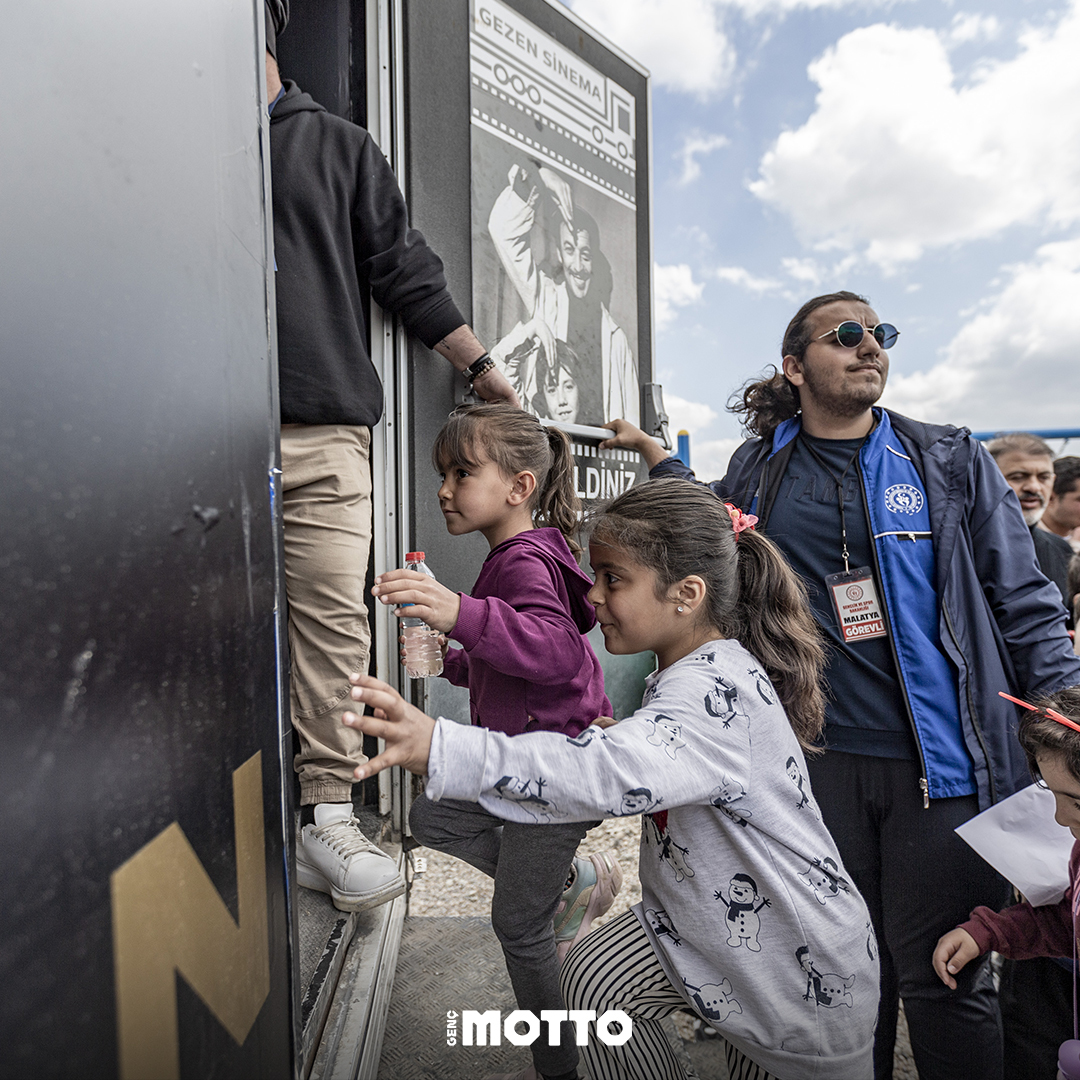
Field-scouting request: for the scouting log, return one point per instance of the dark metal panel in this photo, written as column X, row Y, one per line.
column 137, row 561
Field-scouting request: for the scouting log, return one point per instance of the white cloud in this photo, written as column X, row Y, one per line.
column 684, row 45
column 694, row 236
column 898, row 156
column 967, row 28
column 692, row 146
column 744, row 279
column 1013, row 364
column 814, row 274
column 686, row 415
column 709, row 460
column 805, row 271
column 673, row 287
column 757, row 8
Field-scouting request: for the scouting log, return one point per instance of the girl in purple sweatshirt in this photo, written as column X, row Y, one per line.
column 528, row 667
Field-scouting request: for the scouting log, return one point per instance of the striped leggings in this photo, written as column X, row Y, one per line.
column 616, row 967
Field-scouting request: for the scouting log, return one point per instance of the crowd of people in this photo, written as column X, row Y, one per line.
column 834, row 622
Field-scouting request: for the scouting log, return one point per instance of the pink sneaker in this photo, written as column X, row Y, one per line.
column 597, row 882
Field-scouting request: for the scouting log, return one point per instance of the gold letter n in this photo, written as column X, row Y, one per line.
column 169, row 918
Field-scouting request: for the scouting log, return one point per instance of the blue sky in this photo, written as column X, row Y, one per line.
column 925, row 154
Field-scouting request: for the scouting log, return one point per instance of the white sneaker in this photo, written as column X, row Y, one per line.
column 333, row 856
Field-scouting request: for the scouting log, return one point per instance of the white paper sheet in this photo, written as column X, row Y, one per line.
column 1020, row 839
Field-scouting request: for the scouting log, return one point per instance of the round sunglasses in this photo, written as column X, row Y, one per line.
column 850, row 334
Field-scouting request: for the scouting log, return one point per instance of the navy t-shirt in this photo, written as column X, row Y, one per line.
column 865, row 713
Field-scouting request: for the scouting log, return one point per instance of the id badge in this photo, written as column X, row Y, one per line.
column 855, row 600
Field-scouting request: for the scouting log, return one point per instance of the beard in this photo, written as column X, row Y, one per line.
column 840, row 395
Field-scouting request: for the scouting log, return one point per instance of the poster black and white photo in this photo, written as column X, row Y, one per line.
column 554, row 221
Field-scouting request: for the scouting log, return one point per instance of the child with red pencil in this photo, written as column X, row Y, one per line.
column 1050, row 735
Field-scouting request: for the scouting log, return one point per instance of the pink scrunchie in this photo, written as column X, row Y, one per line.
column 739, row 520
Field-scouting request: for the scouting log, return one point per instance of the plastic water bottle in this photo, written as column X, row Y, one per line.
column 423, row 654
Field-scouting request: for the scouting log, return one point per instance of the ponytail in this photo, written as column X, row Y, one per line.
column 773, row 622
column 557, row 504
column 516, row 442
column 678, row 529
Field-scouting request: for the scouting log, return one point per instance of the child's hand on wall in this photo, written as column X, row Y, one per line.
column 405, row 728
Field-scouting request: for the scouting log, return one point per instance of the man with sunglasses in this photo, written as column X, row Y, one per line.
column 906, row 536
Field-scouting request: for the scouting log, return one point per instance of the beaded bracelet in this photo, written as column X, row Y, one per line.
column 479, row 367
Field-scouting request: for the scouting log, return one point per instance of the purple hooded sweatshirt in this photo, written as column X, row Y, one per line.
column 524, row 659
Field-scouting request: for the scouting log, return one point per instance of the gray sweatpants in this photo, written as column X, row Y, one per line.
column 530, row 864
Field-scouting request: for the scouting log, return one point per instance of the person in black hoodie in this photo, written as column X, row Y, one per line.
column 341, row 231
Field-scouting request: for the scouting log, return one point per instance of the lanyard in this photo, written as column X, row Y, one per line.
column 839, row 481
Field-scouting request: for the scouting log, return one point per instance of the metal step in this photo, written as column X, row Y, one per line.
column 341, row 959
column 352, row 1036
column 446, row 964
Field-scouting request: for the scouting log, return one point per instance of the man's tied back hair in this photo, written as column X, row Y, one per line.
column 1018, row 442
column 766, row 403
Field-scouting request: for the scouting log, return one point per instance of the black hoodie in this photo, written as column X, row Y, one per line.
column 341, row 226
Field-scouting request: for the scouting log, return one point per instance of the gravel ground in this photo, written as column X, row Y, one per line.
column 451, row 887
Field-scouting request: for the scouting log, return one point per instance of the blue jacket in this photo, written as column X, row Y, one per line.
column 1000, row 622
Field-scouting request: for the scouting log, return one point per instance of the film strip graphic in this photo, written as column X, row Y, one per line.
column 588, row 450
column 530, row 91
column 550, row 148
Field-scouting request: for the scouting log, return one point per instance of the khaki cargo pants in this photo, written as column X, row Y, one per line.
column 326, row 505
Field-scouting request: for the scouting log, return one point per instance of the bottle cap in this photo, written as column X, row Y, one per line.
column 414, row 556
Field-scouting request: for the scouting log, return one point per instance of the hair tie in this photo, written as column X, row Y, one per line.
column 739, row 520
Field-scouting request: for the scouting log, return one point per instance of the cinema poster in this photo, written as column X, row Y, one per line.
column 554, row 221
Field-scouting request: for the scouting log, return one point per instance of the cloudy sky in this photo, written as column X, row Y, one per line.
column 924, row 154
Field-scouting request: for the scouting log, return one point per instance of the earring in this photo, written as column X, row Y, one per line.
column 679, row 608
